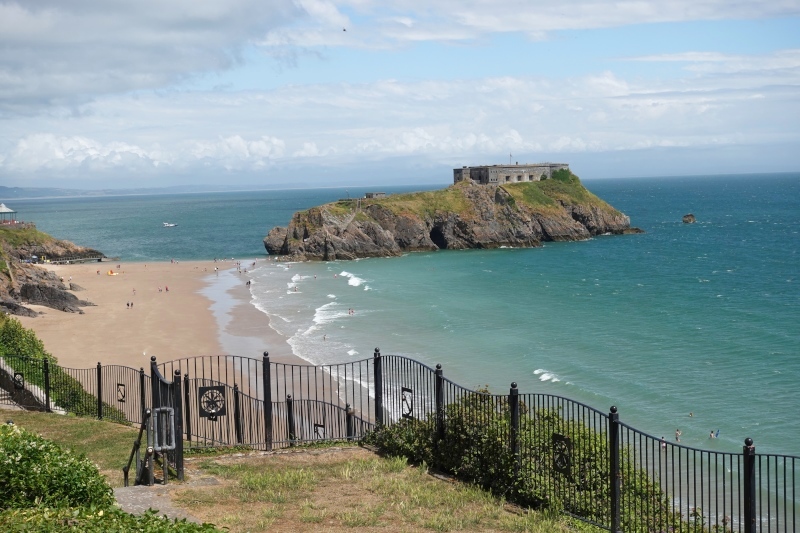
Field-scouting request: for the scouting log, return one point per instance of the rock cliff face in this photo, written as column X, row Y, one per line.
column 459, row 217
column 24, row 283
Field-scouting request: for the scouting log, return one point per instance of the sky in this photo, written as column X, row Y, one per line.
column 275, row 93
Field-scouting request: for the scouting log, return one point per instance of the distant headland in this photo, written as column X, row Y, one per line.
column 486, row 207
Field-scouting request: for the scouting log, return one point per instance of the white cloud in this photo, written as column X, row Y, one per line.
column 716, row 62
column 47, row 151
column 533, row 118
column 88, row 88
column 386, row 23
column 55, row 52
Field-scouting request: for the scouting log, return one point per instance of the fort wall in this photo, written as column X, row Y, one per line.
column 500, row 174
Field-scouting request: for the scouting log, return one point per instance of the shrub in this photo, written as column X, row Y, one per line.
column 15, row 339
column 474, row 446
column 37, row 472
column 91, row 520
column 23, row 351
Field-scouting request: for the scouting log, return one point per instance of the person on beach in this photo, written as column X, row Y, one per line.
column 663, row 443
column 678, row 435
column 711, row 435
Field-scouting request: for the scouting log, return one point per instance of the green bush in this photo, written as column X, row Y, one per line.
column 23, row 351
column 565, row 175
column 15, row 339
column 475, row 447
column 37, row 472
column 46, row 488
column 92, row 520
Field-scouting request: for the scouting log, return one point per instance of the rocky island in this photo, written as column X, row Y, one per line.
column 464, row 215
column 24, row 282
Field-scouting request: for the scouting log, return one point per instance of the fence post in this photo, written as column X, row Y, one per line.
column 99, row 391
column 513, row 405
column 267, row 384
column 237, row 414
column 349, row 422
column 377, row 370
column 290, row 420
column 142, row 399
column 178, row 411
column 749, row 462
column 614, row 469
column 187, row 418
column 46, row 385
column 155, row 389
column 439, row 402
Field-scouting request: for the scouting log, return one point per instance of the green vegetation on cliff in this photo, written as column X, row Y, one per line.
column 546, row 196
column 22, row 350
column 13, row 238
column 425, row 204
column 29, row 236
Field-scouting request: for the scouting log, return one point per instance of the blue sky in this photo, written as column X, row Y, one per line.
column 274, row 93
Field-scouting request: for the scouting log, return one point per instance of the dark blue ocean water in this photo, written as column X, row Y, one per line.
column 699, row 318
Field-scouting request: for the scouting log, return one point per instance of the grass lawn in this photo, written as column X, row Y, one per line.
column 330, row 488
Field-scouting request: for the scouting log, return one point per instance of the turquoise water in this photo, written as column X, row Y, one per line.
column 699, row 318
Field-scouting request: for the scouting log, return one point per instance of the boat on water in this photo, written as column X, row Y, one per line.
column 169, row 225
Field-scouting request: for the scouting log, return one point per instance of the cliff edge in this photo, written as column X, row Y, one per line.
column 24, row 283
column 464, row 215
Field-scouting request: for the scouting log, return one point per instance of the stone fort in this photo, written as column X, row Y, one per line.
column 499, row 174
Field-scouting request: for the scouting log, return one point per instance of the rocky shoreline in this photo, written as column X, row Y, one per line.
column 485, row 216
column 24, row 283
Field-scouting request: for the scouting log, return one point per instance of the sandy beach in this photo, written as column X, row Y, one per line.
column 170, row 310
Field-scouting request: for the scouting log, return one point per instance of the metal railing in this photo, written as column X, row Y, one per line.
column 561, row 452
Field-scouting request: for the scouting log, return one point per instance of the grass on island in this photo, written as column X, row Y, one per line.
column 336, row 488
column 544, row 196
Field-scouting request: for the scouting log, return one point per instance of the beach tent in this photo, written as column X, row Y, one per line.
column 6, row 213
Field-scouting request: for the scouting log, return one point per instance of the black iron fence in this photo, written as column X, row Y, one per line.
column 588, row 462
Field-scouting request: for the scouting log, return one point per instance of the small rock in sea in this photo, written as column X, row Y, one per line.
column 689, row 219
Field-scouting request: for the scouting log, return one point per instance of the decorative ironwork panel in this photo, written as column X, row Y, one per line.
column 121, row 392
column 319, row 431
column 19, row 381
column 407, row 402
column 212, row 401
column 562, row 454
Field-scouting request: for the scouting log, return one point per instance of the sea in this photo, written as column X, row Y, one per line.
column 686, row 326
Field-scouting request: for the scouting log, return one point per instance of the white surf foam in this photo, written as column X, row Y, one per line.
column 352, row 280
column 546, row 375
